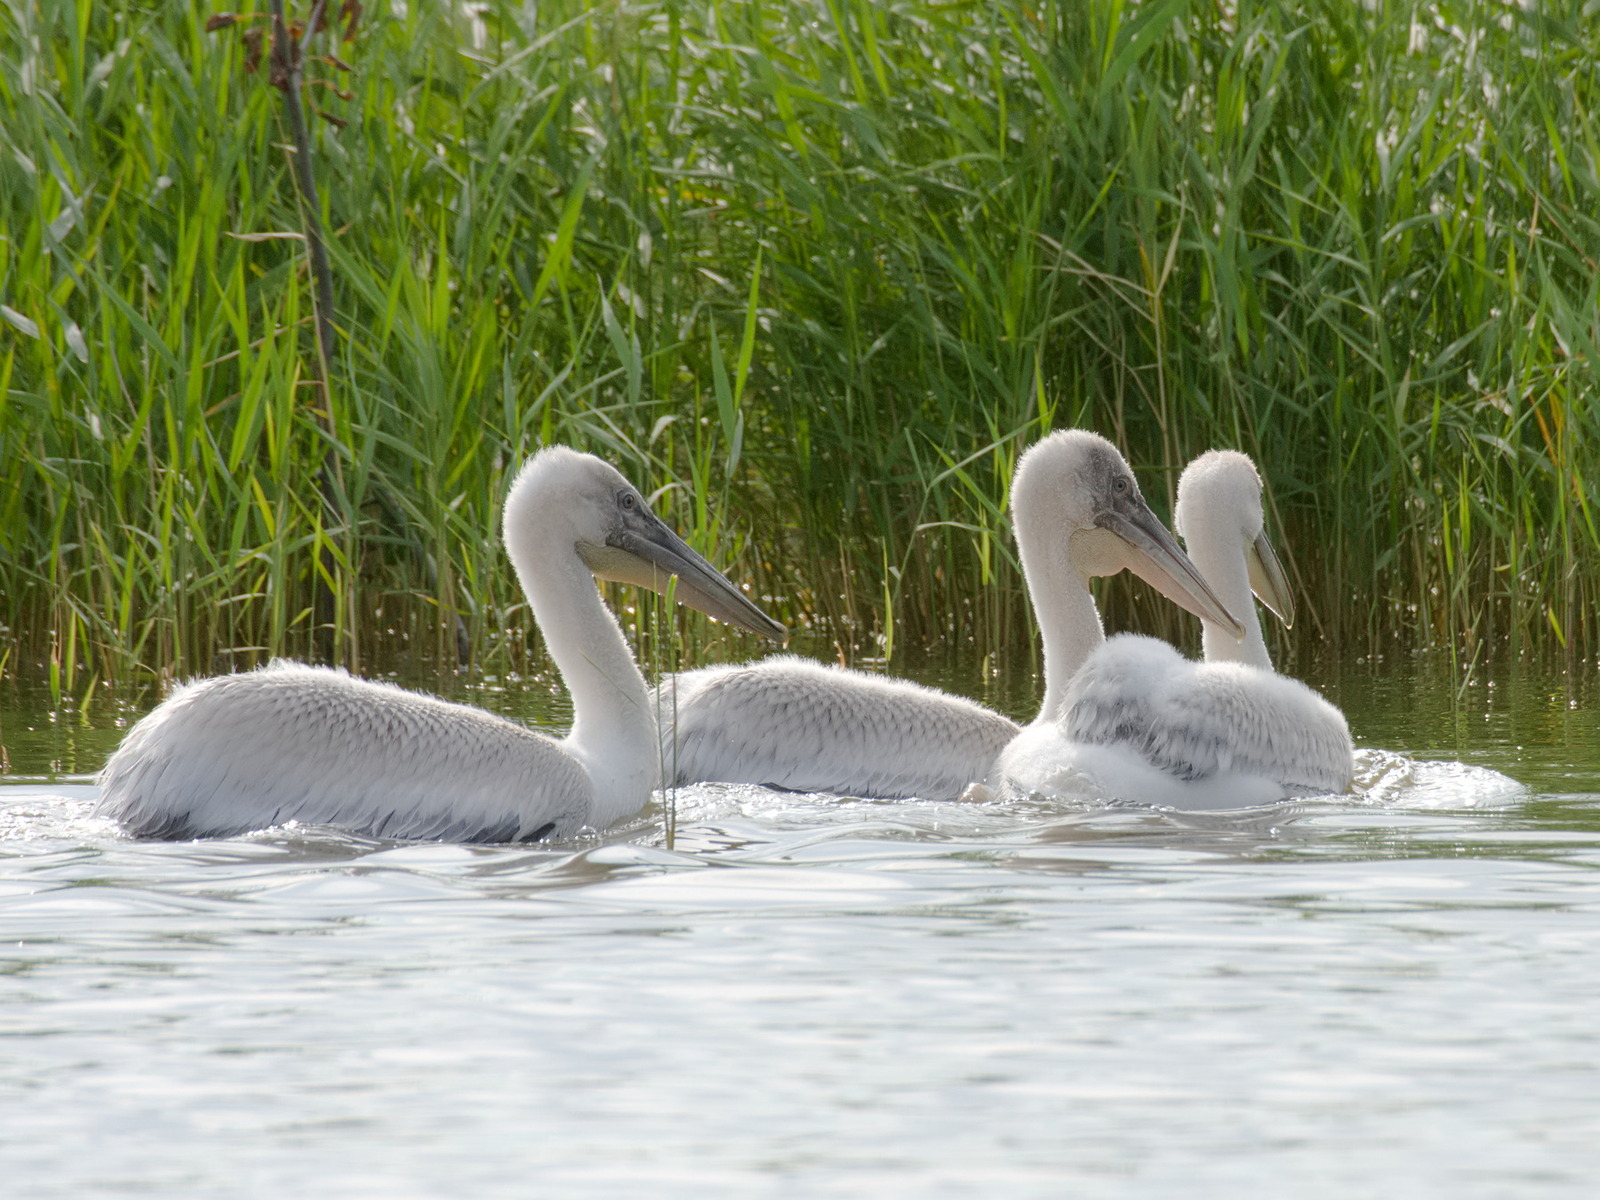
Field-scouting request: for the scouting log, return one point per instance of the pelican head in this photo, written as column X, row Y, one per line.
column 565, row 496
column 1219, row 495
column 1076, row 483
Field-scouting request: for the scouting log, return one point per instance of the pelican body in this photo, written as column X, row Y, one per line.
column 796, row 724
column 793, row 723
column 1138, row 721
column 235, row 753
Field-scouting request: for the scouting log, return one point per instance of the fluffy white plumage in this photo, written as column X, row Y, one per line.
column 797, row 724
column 1140, row 722
column 793, row 723
column 291, row 742
column 295, row 742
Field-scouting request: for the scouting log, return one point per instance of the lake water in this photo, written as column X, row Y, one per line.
column 803, row 996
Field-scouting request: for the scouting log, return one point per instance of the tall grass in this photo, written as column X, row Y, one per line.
column 819, row 270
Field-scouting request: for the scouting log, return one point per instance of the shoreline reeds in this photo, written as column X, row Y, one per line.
column 819, row 271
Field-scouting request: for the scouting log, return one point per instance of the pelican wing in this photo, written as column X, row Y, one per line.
column 1235, row 718
column 791, row 723
column 1120, row 691
column 242, row 752
column 1199, row 721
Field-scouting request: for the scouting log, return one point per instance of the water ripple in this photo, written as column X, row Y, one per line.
column 813, row 995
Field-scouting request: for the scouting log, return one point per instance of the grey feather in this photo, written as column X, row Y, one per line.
column 234, row 753
column 1196, row 721
column 796, row 724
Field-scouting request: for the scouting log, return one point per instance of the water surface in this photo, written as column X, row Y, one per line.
column 807, row 996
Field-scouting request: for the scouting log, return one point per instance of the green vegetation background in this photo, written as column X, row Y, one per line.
column 820, row 269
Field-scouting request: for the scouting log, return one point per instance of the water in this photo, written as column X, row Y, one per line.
column 810, row 997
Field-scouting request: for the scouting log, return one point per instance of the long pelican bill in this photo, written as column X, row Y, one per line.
column 643, row 550
column 1160, row 562
column 1267, row 578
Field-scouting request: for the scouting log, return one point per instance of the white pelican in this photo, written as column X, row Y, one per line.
column 1140, row 722
column 792, row 723
column 1219, row 517
column 241, row 752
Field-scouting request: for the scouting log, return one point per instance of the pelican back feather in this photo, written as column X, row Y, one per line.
column 796, row 724
column 1197, row 721
column 241, row 752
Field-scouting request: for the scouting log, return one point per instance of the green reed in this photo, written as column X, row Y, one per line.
column 817, row 269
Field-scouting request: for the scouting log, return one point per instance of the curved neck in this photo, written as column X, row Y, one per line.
column 1069, row 622
column 613, row 734
column 1218, row 554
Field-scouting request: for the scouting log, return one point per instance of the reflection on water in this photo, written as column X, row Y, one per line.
column 804, row 995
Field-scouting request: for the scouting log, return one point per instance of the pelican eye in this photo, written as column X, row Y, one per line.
column 628, row 500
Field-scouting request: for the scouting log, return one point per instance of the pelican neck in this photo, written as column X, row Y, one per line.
column 1218, row 554
column 612, row 733
column 1069, row 622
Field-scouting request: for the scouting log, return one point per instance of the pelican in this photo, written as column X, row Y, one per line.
column 1219, row 517
column 1140, row 722
column 291, row 742
column 796, row 724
